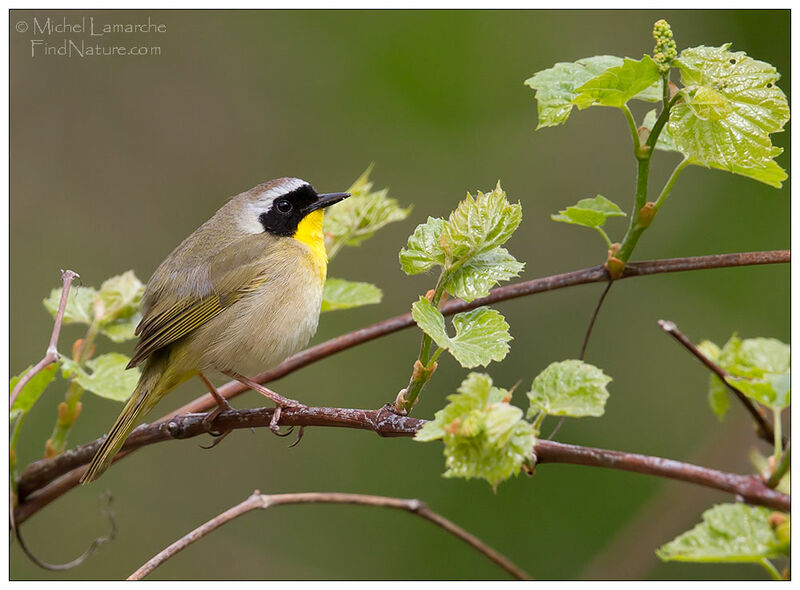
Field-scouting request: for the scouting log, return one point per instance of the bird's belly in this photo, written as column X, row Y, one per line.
column 265, row 327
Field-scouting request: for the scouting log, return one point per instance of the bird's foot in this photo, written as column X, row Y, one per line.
column 208, row 421
column 281, row 403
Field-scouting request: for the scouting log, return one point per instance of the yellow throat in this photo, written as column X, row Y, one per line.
column 309, row 232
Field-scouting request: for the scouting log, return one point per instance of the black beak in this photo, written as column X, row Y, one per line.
column 326, row 200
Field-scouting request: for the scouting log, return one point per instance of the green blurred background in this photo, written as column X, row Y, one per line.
column 114, row 160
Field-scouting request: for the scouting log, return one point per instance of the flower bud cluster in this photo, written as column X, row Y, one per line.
column 665, row 50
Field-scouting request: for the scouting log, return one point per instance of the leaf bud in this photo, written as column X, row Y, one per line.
column 645, row 215
column 49, row 449
column 64, row 415
column 614, row 265
column 644, row 134
column 776, row 519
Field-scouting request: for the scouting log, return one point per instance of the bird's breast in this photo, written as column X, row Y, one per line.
column 271, row 323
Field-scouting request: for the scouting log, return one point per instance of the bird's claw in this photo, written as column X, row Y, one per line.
column 218, row 438
column 208, row 423
column 274, row 425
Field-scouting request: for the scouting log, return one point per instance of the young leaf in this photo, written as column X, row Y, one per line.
column 718, row 397
column 758, row 367
column 717, row 392
column 618, row 84
column 424, row 248
column 769, row 173
column 357, row 218
column 556, row 87
column 475, row 392
column 32, row 391
column 731, row 106
column 728, row 533
column 479, row 274
column 108, row 379
column 468, row 245
column 480, row 224
column 589, row 212
column 569, row 388
column 122, row 329
column 120, row 296
column 665, row 141
column 772, row 390
column 481, row 334
column 341, row 294
column 758, row 356
column 484, row 436
column 79, row 308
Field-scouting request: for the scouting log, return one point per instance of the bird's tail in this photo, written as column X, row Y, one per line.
column 151, row 388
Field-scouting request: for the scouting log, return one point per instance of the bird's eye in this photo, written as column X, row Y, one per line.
column 283, row 206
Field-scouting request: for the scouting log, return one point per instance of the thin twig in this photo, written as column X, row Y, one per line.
column 586, row 337
column 259, row 501
column 594, row 319
column 47, row 479
column 594, row 274
column 764, row 429
column 105, row 510
column 51, row 355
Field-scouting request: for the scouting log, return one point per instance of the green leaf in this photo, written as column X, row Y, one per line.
column 481, row 334
column 479, row 274
column 120, row 296
column 357, row 218
column 589, row 212
column 468, row 245
column 758, row 356
column 484, row 436
column 79, row 308
column 108, row 379
column 665, row 141
column 728, row 533
column 754, row 357
column 769, row 173
column 476, row 391
column 556, row 87
column 341, row 294
column 718, row 397
column 758, row 367
column 708, row 348
column 773, row 389
column 32, row 391
column 480, row 224
column 569, row 388
column 731, row 106
column 424, row 248
column 122, row 329
column 617, row 85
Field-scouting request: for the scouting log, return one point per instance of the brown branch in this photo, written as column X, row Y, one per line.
column 594, row 274
column 47, row 479
column 764, row 428
column 259, row 501
column 48, row 493
column 51, row 355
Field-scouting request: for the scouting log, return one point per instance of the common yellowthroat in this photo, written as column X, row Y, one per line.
column 238, row 296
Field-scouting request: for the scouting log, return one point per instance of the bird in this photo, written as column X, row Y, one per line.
column 238, row 296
